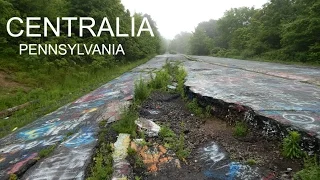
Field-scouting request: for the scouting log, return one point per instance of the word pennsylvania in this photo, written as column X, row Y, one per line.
column 75, row 49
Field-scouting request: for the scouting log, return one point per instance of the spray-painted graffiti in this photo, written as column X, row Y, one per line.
column 13, row 148
column 217, row 165
column 62, row 166
column 295, row 103
column 83, row 137
column 211, row 154
column 79, row 118
column 18, row 165
column 299, row 118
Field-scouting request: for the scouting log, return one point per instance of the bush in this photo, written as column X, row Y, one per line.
column 291, row 147
column 141, row 91
column 311, row 169
column 161, row 80
column 240, row 130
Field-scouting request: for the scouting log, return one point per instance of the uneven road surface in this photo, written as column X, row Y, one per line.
column 288, row 94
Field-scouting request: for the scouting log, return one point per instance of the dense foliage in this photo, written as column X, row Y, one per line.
column 281, row 30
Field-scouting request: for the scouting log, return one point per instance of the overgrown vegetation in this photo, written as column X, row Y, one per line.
column 311, row 169
column 54, row 80
column 126, row 124
column 194, row 107
column 172, row 141
column 102, row 166
column 282, row 30
column 291, row 145
column 55, row 92
column 240, row 129
column 47, row 151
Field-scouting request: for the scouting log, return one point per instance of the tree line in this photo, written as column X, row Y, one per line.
column 287, row 30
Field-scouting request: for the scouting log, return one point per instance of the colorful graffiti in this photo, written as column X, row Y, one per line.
column 217, row 165
column 80, row 119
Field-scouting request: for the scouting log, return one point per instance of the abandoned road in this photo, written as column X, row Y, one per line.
column 288, row 94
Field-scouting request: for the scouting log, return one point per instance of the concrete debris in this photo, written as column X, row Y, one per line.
column 121, row 167
column 153, row 112
column 171, row 87
column 151, row 128
column 153, row 157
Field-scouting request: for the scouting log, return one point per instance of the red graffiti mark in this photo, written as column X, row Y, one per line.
column 270, row 176
column 18, row 165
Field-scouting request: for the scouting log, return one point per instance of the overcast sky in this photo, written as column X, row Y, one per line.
column 174, row 16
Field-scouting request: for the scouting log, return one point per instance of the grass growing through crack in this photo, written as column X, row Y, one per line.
column 195, row 108
column 291, row 147
column 161, row 80
column 126, row 124
column 141, row 91
column 173, row 142
column 47, row 151
column 103, row 160
column 101, row 167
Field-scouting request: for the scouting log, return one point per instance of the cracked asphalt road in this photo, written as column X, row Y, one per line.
column 288, row 94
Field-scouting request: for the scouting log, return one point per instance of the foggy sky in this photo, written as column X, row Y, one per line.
column 174, row 16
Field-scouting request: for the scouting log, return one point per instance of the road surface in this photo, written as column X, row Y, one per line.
column 288, row 94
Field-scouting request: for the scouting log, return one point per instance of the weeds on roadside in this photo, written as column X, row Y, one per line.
column 251, row 162
column 161, row 80
column 47, row 151
column 311, row 169
column 194, row 107
column 141, row 91
column 291, row 147
column 240, row 129
column 173, row 142
column 13, row 177
column 126, row 124
column 102, row 168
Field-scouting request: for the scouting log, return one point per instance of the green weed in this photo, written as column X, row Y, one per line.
column 13, row 177
column 141, row 91
column 291, row 147
column 166, row 132
column 311, row 169
column 47, row 151
column 194, row 107
column 161, row 80
column 102, row 167
column 240, row 129
column 251, row 162
column 126, row 124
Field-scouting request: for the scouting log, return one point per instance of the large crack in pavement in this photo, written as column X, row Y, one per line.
column 291, row 103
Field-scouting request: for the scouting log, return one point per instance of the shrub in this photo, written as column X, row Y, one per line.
column 161, row 80
column 240, row 129
column 291, row 147
column 311, row 169
column 141, row 91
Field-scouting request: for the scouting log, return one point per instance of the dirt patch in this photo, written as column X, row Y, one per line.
column 215, row 152
column 6, row 82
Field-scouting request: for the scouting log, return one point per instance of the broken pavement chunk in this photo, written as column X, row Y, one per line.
column 151, row 128
column 121, row 167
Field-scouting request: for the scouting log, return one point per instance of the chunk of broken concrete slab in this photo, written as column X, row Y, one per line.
column 147, row 125
column 121, row 167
